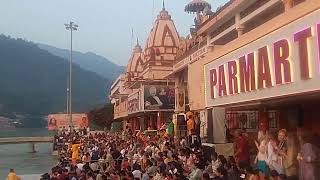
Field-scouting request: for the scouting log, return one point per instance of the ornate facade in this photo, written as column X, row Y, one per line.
column 143, row 97
column 161, row 47
column 229, row 67
column 209, row 69
column 135, row 64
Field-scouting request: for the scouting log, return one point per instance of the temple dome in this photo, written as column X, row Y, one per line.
column 135, row 63
column 163, row 39
column 163, row 32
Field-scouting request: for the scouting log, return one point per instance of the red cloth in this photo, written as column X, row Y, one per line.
column 263, row 121
column 241, row 146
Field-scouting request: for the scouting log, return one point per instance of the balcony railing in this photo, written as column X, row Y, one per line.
column 120, row 110
column 188, row 53
column 249, row 119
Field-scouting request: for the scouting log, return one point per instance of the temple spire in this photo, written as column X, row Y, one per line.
column 163, row 5
column 137, row 47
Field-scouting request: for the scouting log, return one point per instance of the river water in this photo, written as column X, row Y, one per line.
column 18, row 156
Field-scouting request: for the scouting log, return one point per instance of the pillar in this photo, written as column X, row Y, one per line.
column 288, row 4
column 153, row 123
column 240, row 30
column 158, row 120
column 218, row 117
column 150, row 123
column 208, row 37
column 239, row 26
column 142, row 123
column 134, row 124
column 32, row 148
column 211, row 48
column 137, row 123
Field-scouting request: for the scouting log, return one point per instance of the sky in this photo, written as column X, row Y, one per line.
column 105, row 26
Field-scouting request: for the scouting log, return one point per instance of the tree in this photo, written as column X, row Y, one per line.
column 102, row 117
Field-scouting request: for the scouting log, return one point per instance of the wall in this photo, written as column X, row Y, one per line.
column 311, row 118
column 121, row 110
column 196, row 85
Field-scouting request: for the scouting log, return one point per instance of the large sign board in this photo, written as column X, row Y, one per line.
column 284, row 62
column 134, row 104
column 57, row 121
column 191, row 58
column 159, row 97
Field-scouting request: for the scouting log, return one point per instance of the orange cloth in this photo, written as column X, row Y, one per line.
column 190, row 126
column 75, row 151
column 12, row 176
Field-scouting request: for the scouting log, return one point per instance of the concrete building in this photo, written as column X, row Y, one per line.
column 252, row 64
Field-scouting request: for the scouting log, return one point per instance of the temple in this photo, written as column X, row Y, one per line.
column 143, row 97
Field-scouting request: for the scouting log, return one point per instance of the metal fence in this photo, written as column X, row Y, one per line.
column 249, row 119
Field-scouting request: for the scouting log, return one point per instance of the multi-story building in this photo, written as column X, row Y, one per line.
column 143, row 97
column 252, row 64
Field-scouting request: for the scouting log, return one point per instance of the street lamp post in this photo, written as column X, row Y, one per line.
column 72, row 27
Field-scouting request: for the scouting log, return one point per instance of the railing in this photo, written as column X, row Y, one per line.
column 17, row 140
column 191, row 55
column 190, row 51
column 249, row 119
column 121, row 110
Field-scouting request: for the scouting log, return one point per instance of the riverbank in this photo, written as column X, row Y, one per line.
column 17, row 156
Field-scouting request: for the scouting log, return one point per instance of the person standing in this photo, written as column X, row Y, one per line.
column 281, row 148
column 273, row 160
column 170, row 130
column 241, row 152
column 12, row 175
column 75, row 152
column 262, row 156
column 307, row 158
column 290, row 162
column 190, row 126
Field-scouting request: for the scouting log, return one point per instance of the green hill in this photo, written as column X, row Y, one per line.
column 88, row 61
column 33, row 83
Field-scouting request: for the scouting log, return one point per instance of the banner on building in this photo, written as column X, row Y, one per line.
column 134, row 104
column 59, row 121
column 158, row 97
column 180, row 100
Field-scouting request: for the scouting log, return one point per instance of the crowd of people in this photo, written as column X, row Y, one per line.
column 132, row 156
column 282, row 155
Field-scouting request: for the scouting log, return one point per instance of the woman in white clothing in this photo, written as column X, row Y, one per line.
column 272, row 157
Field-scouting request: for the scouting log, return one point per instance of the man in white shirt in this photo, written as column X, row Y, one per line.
column 137, row 174
column 94, row 166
